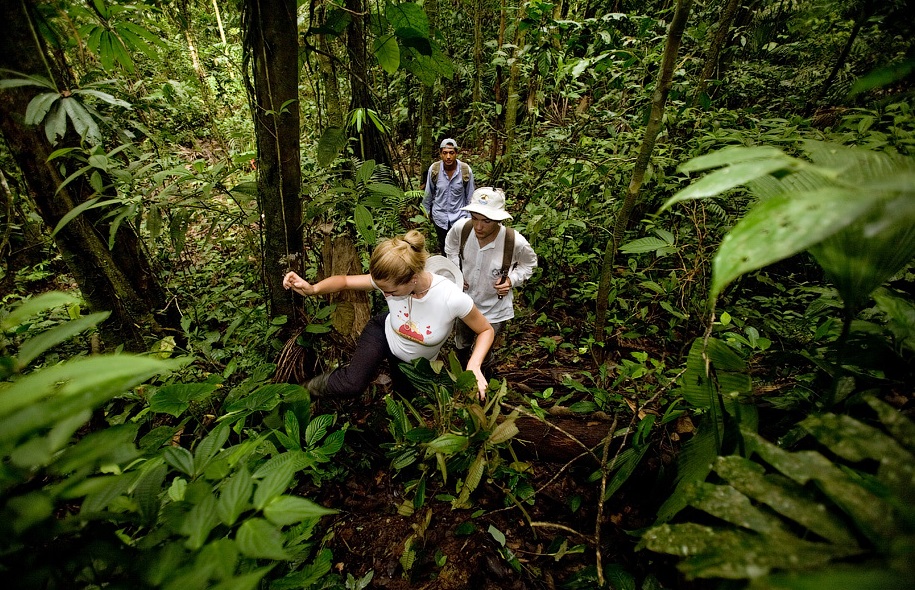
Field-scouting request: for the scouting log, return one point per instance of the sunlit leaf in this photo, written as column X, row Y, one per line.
column 780, row 227
column 387, row 52
column 286, row 510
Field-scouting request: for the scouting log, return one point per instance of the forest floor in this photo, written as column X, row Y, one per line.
column 552, row 537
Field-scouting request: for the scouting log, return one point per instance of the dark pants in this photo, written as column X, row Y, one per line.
column 464, row 338
column 371, row 350
column 440, row 233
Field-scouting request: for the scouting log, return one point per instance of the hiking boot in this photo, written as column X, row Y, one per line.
column 317, row 386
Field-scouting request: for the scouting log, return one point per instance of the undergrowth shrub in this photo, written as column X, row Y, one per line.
column 129, row 503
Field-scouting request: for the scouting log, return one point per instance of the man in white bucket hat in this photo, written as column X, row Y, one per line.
column 493, row 259
column 448, row 186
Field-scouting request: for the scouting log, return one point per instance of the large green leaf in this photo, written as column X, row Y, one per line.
column 694, row 463
column 244, row 581
column 273, row 483
column 34, row 306
column 234, row 497
column 104, row 491
column 55, row 123
column 103, row 375
column 83, row 121
column 727, row 178
column 286, row 510
column 259, row 539
column 331, row 143
column 872, row 514
column 737, row 554
column 785, row 497
column 868, row 252
column 427, row 68
column 110, row 446
column 210, row 446
column 869, row 576
column 175, row 399
column 148, row 490
column 387, row 52
column 448, row 443
column 200, row 521
column 780, row 227
column 39, row 106
column 317, row 428
column 732, row 506
column 407, row 18
column 856, row 442
column 181, row 459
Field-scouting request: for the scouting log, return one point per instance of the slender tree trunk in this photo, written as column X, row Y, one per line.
column 271, row 46
column 718, row 43
column 497, row 96
column 427, row 107
column 476, row 114
column 658, row 102
column 23, row 248
column 866, row 10
column 371, row 141
column 184, row 21
column 513, row 100
column 333, row 103
column 119, row 279
column 222, row 31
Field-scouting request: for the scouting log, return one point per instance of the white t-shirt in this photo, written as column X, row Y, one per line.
column 419, row 327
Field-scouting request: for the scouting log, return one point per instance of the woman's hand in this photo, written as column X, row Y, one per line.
column 482, row 383
column 298, row 284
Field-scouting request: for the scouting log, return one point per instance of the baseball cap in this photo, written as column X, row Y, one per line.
column 448, row 143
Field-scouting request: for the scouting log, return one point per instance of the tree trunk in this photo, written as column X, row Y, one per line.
column 513, row 99
column 718, row 43
column 184, row 22
column 477, row 91
column 271, row 47
column 866, row 10
column 427, row 143
column 497, row 98
column 327, row 71
column 119, row 279
column 371, row 141
column 658, row 101
column 24, row 247
column 222, row 31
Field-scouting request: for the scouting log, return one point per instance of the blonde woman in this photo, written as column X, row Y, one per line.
column 422, row 307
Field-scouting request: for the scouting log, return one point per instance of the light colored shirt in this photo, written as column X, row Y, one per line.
column 444, row 198
column 481, row 267
column 418, row 328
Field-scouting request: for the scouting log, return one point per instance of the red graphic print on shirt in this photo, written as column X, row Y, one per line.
column 408, row 329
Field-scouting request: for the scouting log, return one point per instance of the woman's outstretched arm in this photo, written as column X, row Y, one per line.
column 332, row 284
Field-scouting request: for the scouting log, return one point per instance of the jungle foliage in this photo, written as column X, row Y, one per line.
column 753, row 374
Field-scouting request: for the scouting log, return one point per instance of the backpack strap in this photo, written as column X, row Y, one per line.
column 465, row 233
column 437, row 166
column 508, row 251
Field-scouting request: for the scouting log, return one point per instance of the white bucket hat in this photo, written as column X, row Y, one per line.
column 489, row 202
column 440, row 265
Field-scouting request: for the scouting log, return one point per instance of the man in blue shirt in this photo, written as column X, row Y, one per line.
column 449, row 186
